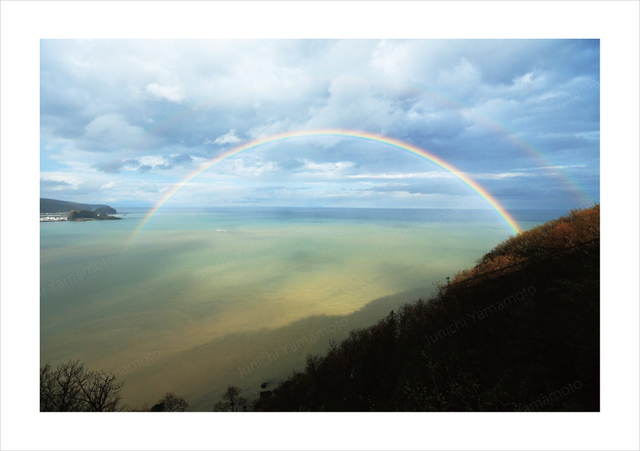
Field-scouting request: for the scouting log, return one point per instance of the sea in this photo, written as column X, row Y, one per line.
column 204, row 298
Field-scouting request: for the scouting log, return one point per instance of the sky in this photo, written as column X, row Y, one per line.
column 123, row 121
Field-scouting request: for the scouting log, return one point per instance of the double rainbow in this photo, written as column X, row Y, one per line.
column 349, row 134
column 436, row 100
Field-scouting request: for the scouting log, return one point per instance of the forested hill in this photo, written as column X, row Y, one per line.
column 517, row 332
column 63, row 206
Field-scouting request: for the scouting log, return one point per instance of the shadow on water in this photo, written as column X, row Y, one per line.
column 246, row 359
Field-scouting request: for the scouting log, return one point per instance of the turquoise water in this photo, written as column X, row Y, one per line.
column 201, row 294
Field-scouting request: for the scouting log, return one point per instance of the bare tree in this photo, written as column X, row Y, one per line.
column 47, row 389
column 72, row 388
column 60, row 388
column 170, row 403
column 231, row 401
column 101, row 391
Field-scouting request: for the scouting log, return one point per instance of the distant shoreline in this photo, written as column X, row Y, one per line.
column 62, row 217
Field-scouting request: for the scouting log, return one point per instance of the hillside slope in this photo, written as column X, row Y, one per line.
column 63, row 206
column 517, row 332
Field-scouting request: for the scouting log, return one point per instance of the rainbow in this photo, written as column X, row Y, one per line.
column 349, row 134
column 435, row 99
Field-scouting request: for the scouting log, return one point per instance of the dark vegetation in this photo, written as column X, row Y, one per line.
column 232, row 401
column 169, row 403
column 86, row 214
column 73, row 388
column 105, row 210
column 62, row 206
column 517, row 332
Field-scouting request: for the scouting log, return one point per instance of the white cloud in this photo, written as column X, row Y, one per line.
column 390, row 57
column 110, row 185
column 500, row 176
column 353, row 103
column 170, row 93
column 556, row 166
column 229, row 138
column 269, row 128
column 410, row 175
column 329, row 167
column 152, row 160
column 238, row 168
column 441, row 175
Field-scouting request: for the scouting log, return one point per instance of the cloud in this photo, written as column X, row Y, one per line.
column 53, row 184
column 181, row 159
column 415, row 189
column 109, row 132
column 238, row 168
column 175, row 160
column 170, row 93
column 110, row 167
column 229, row 138
column 499, row 176
column 557, row 166
column 353, row 103
column 290, row 164
column 410, row 175
column 131, row 163
column 338, row 166
column 114, row 166
column 480, row 105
